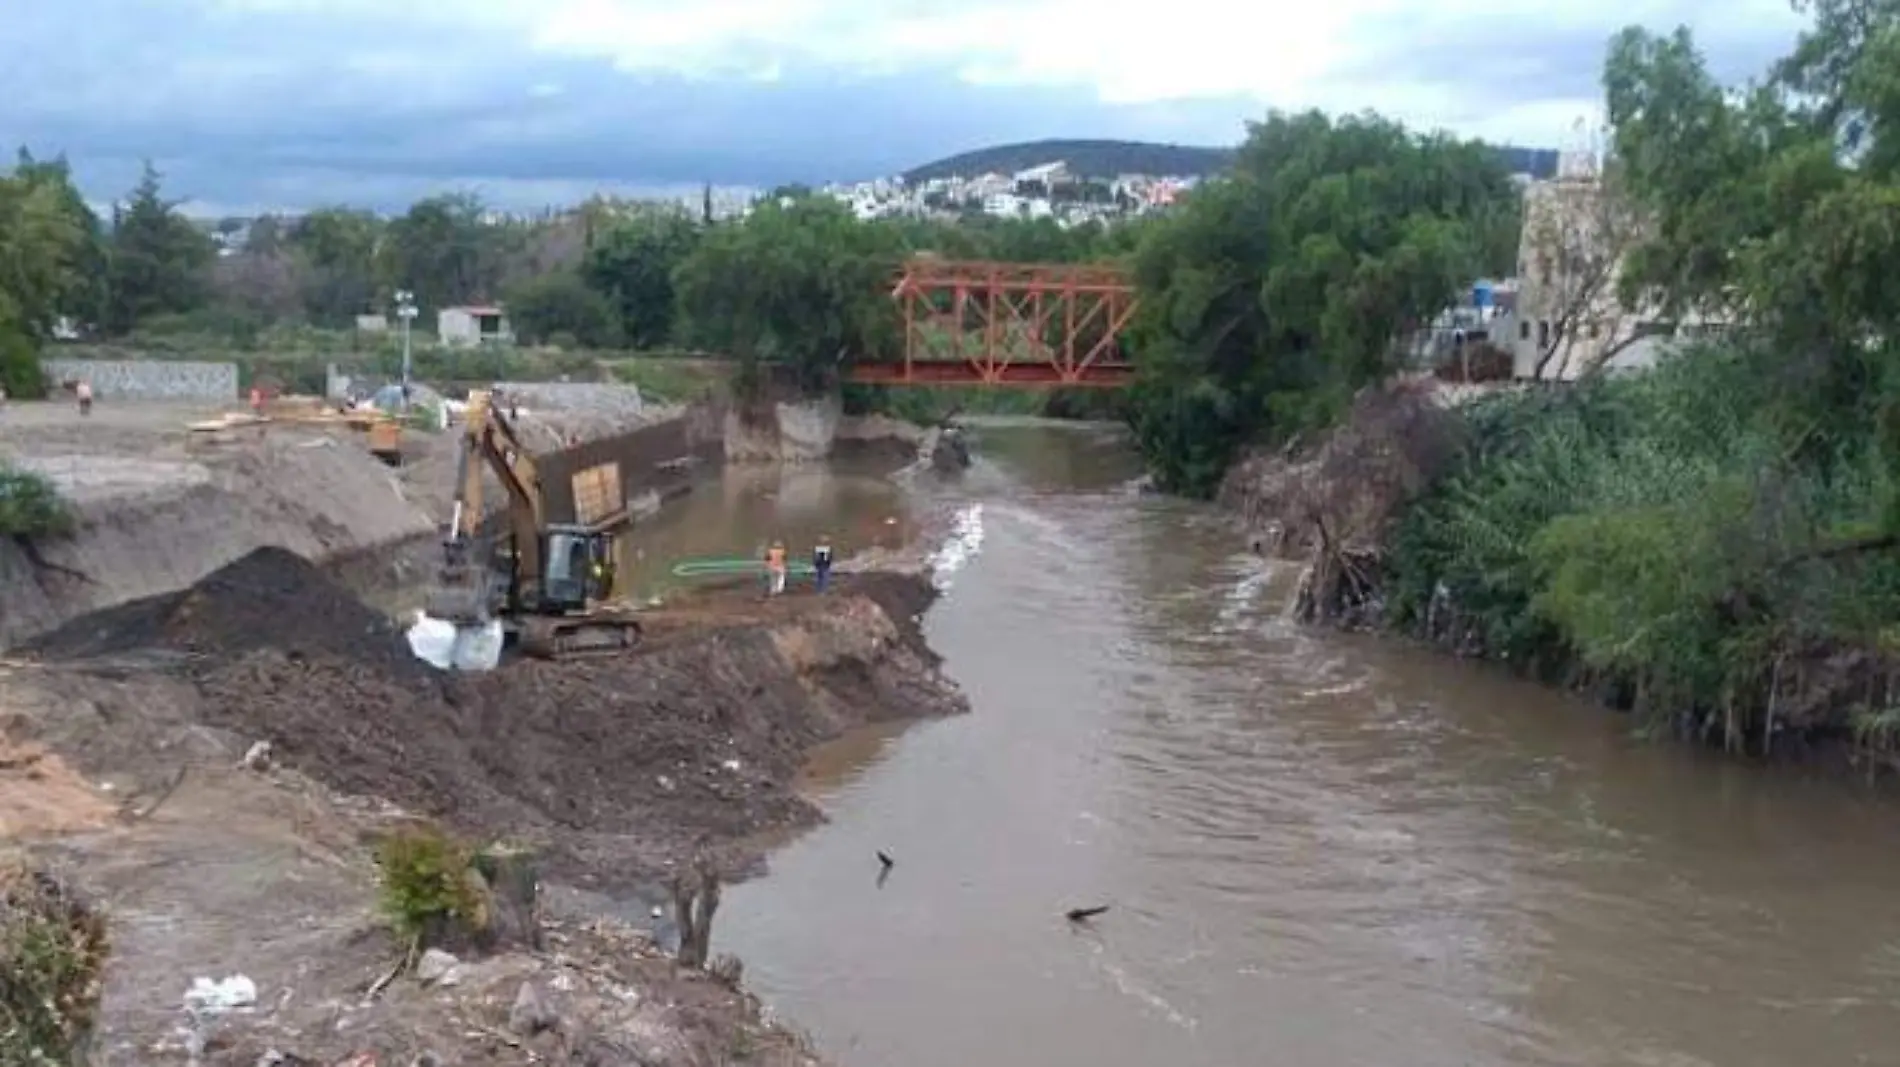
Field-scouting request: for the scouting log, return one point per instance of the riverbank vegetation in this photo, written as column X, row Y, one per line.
column 52, row 961
column 1711, row 543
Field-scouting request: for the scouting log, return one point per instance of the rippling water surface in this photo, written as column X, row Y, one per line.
column 1318, row 850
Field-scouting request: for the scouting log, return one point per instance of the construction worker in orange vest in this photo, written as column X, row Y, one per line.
column 775, row 566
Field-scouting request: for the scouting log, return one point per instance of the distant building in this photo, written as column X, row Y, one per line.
column 1047, row 174
column 472, row 325
column 1569, row 318
column 1006, row 205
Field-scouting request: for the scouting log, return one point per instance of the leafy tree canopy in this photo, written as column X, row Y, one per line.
column 802, row 283
column 1271, row 296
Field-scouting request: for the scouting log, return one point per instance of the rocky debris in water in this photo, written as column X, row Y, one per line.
column 951, row 451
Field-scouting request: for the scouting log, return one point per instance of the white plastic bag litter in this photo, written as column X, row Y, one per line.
column 206, row 997
column 445, row 646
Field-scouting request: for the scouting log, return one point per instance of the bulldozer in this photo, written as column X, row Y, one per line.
column 548, row 587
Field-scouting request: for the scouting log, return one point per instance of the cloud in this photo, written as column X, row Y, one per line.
column 286, row 103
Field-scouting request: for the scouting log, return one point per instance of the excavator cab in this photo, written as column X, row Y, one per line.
column 579, row 568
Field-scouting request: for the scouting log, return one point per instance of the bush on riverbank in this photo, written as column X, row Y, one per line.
column 1654, row 539
column 427, row 881
column 21, row 375
column 52, row 959
column 30, row 506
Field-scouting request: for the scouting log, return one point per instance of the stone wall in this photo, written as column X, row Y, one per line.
column 148, row 379
column 783, row 432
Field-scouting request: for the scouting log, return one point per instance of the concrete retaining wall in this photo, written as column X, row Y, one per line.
column 148, row 379
column 783, row 432
column 656, row 461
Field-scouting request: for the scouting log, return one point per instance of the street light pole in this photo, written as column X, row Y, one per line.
column 406, row 311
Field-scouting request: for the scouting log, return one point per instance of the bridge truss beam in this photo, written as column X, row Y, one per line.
column 1010, row 324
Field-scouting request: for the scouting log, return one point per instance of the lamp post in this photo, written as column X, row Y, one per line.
column 406, row 311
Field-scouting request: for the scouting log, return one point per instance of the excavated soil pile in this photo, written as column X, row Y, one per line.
column 628, row 760
column 269, row 599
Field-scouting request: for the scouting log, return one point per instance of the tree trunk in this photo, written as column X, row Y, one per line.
column 507, row 884
column 695, row 899
column 513, row 881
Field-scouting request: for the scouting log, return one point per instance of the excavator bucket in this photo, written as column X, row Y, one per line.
column 459, row 595
column 455, row 630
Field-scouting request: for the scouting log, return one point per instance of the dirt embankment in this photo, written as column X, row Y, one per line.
column 159, row 510
column 1329, row 503
column 614, row 769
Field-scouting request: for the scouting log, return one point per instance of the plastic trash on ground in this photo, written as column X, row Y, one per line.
column 206, row 997
column 445, row 646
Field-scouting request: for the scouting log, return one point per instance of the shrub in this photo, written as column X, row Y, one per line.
column 429, row 883
column 31, row 507
column 20, row 371
column 1664, row 537
column 52, row 955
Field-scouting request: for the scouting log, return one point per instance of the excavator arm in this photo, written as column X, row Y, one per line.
column 490, row 443
column 549, row 622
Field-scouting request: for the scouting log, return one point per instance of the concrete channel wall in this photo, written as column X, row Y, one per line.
column 148, row 379
column 657, row 461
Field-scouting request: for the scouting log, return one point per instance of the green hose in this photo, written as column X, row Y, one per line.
column 711, row 566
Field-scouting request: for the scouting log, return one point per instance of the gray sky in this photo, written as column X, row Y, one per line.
column 249, row 104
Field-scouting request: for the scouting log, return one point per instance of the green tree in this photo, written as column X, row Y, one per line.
column 442, row 251
column 631, row 260
column 159, row 261
column 48, row 247
column 1778, row 213
column 338, row 247
column 82, row 267
column 1273, row 295
column 802, row 284
column 551, row 305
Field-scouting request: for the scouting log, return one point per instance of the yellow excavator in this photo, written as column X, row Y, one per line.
column 549, row 585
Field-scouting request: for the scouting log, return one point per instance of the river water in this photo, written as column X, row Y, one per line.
column 1318, row 850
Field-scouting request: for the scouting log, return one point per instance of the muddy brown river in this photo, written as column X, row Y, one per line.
column 1317, row 850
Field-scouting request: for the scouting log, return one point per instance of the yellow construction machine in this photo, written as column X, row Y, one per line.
column 549, row 585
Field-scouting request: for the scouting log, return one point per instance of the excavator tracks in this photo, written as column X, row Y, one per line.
column 577, row 637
